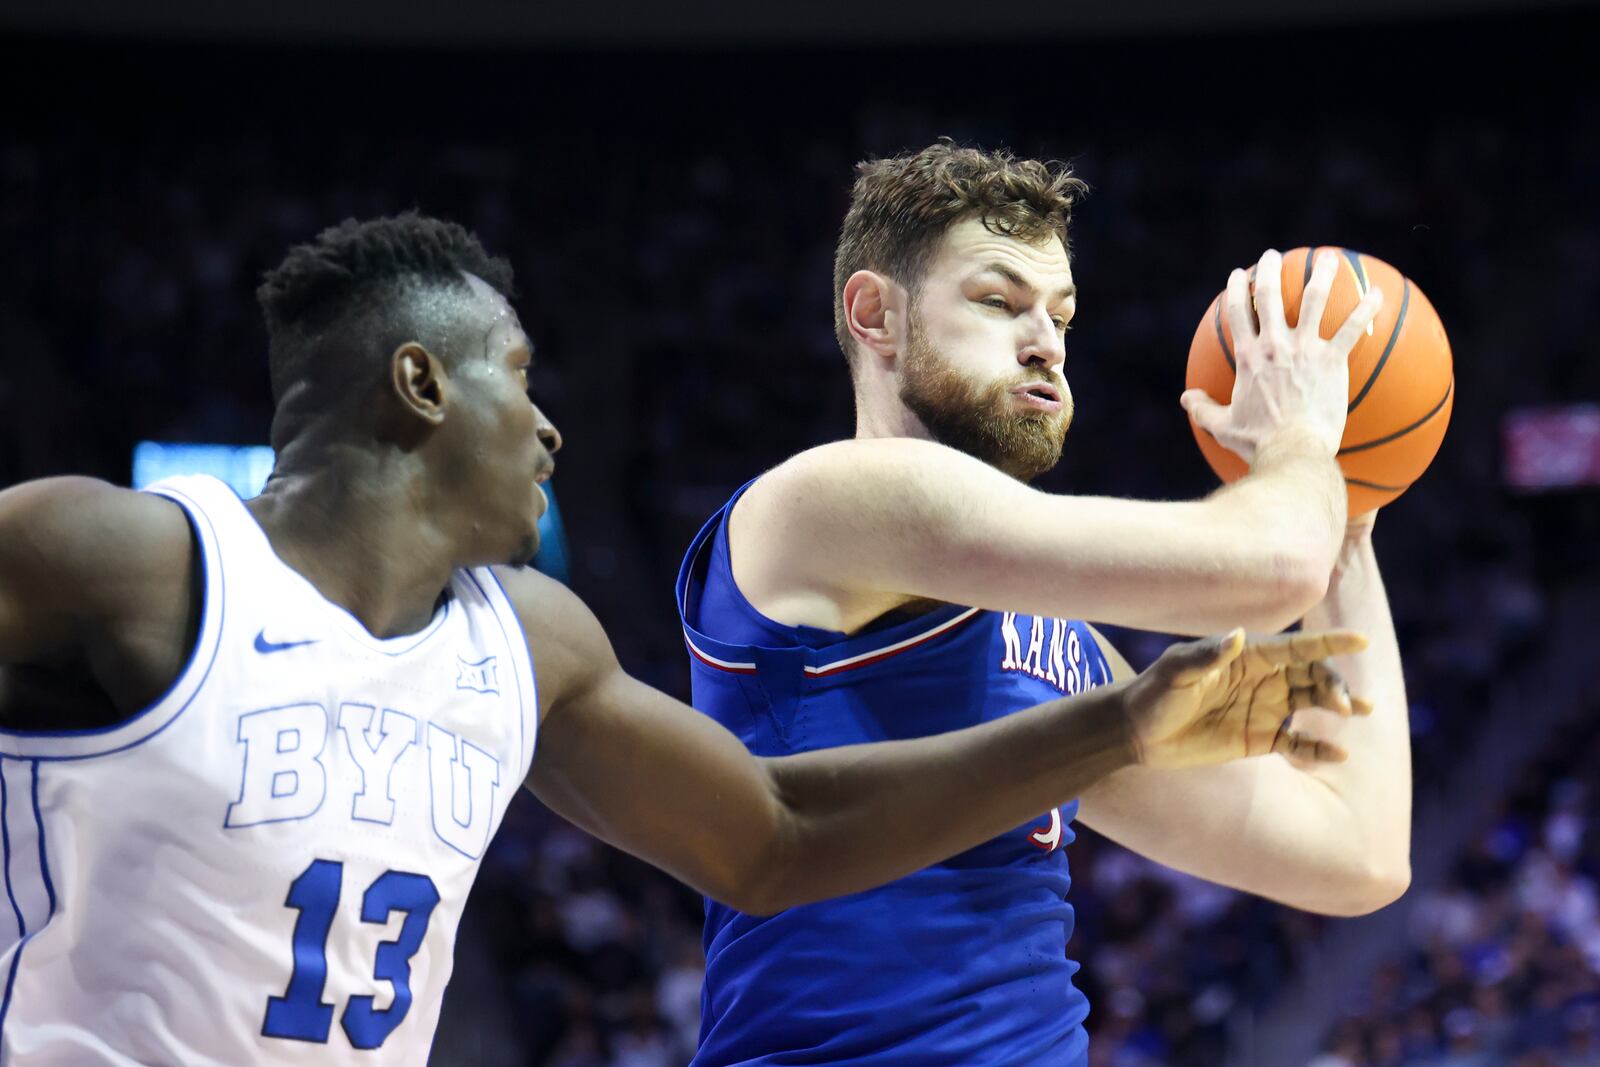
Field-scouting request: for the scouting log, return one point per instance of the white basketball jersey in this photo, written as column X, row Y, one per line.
column 268, row 865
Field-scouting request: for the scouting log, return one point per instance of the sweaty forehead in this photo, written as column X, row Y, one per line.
column 969, row 247
column 502, row 329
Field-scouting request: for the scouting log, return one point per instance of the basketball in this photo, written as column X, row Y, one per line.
column 1402, row 384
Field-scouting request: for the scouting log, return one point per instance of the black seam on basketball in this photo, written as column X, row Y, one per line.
column 1394, row 335
column 1305, row 281
column 1227, row 353
column 1374, row 485
column 1355, row 265
column 1401, row 433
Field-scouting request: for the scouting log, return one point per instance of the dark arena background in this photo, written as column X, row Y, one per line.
column 668, row 182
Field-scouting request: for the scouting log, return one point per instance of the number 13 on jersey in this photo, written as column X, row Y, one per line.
column 301, row 1014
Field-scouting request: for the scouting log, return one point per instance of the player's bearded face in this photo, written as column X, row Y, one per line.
column 981, row 419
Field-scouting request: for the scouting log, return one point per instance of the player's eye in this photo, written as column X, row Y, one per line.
column 1061, row 325
column 998, row 302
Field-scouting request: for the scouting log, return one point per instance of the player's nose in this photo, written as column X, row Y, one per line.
column 1043, row 344
column 548, row 434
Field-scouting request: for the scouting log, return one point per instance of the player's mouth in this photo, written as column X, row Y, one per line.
column 542, row 474
column 1041, row 396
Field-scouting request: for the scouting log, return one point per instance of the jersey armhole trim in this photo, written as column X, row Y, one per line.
column 816, row 661
column 521, row 651
column 877, row 655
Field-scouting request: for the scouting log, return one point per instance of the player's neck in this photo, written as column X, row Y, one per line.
column 885, row 417
column 353, row 527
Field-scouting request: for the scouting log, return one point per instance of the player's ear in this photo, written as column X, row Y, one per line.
column 874, row 312
column 419, row 381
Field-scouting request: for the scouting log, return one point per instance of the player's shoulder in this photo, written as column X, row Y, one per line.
column 565, row 639
column 837, row 458
column 47, row 496
column 82, row 560
column 80, row 523
column 848, row 472
column 537, row 598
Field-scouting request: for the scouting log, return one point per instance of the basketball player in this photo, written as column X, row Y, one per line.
column 253, row 753
column 908, row 582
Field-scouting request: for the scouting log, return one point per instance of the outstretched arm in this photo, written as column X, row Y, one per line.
column 666, row 783
column 1325, row 837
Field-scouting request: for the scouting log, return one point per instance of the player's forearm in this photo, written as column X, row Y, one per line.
column 1374, row 784
column 860, row 526
column 858, row 816
column 1292, row 507
column 1256, row 553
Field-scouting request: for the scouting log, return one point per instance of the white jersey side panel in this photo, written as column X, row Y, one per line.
column 267, row 866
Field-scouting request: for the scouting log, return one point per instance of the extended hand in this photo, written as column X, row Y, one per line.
column 1284, row 374
column 1225, row 698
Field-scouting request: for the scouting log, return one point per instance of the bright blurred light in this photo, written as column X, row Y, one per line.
column 1552, row 447
column 244, row 467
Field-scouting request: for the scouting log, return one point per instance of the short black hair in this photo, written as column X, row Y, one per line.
column 337, row 305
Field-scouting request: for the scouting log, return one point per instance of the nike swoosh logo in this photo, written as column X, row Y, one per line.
column 267, row 648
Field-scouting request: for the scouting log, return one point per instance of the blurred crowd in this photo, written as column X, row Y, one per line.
column 1504, row 961
column 679, row 300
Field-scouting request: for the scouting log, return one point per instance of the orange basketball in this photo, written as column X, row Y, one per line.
column 1401, row 380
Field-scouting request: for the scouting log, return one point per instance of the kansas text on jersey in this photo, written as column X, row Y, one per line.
column 961, row 963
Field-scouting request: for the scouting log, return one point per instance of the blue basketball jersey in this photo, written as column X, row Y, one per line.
column 963, row 962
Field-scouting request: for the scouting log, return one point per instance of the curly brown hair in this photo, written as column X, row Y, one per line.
column 902, row 206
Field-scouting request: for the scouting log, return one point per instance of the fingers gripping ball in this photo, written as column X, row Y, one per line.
column 1402, row 382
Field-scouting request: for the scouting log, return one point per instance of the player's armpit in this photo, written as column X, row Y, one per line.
column 842, row 533
column 78, row 557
